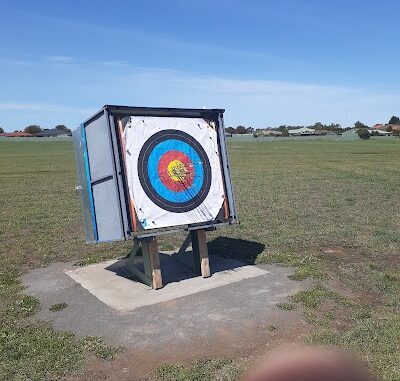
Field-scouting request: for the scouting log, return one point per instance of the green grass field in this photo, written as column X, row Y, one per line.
column 331, row 209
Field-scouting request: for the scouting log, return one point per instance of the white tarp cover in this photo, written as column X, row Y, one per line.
column 159, row 149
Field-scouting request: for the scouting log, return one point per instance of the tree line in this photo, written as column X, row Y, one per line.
column 34, row 129
column 333, row 127
column 318, row 126
column 241, row 130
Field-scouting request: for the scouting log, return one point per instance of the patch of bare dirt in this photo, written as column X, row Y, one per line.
column 250, row 343
column 334, row 251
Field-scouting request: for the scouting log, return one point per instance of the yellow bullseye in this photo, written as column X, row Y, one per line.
column 177, row 170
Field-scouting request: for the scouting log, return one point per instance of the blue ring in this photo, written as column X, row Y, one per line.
column 195, row 197
column 152, row 170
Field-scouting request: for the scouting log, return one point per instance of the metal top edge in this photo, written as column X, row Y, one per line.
column 154, row 111
column 162, row 109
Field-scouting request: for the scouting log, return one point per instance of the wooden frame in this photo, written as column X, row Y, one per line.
column 197, row 258
column 151, row 262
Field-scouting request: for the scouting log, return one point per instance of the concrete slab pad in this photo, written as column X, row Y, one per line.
column 219, row 321
column 112, row 284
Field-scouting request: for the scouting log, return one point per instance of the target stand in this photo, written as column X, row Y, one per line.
column 151, row 273
column 147, row 171
column 196, row 259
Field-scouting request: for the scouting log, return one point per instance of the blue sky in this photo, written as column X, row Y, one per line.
column 266, row 62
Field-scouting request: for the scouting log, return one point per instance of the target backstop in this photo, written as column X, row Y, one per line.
column 145, row 171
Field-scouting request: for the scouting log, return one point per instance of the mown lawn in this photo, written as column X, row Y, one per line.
column 40, row 223
column 329, row 208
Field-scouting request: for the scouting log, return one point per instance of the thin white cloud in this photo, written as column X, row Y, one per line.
column 15, row 61
column 59, row 59
column 129, row 33
column 255, row 102
column 262, row 102
column 114, row 64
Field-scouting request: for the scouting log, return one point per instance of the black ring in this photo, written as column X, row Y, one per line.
column 160, row 201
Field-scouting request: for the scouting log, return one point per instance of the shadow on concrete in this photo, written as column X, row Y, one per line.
column 226, row 255
column 172, row 270
column 238, row 249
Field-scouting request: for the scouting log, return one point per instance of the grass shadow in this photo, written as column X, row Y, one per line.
column 233, row 248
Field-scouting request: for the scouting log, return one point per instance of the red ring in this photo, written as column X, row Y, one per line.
column 175, row 186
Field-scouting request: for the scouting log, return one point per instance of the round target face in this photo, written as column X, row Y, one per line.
column 174, row 171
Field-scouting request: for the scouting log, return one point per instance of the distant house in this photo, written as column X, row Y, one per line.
column 16, row 134
column 352, row 134
column 378, row 132
column 303, row 131
column 385, row 127
column 325, row 132
column 52, row 133
column 379, row 126
column 270, row 133
column 393, row 127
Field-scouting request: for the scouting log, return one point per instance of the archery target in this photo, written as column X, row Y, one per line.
column 173, row 170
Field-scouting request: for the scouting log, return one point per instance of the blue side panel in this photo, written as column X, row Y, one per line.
column 89, row 184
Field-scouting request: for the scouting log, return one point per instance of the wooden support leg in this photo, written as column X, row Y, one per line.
column 200, row 252
column 152, row 262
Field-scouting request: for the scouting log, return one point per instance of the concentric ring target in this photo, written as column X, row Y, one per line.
column 174, row 171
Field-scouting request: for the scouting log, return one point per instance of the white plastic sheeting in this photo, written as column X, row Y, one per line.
column 137, row 132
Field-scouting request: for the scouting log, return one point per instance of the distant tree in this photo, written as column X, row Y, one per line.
column 394, row 120
column 1, row 130
column 249, row 130
column 358, row 125
column 230, row 130
column 335, row 127
column 363, row 133
column 396, row 133
column 63, row 128
column 241, row 130
column 389, row 129
column 32, row 129
column 318, row 126
column 282, row 128
column 285, row 132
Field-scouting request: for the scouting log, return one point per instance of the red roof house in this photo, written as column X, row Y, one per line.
column 16, row 135
column 378, row 126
